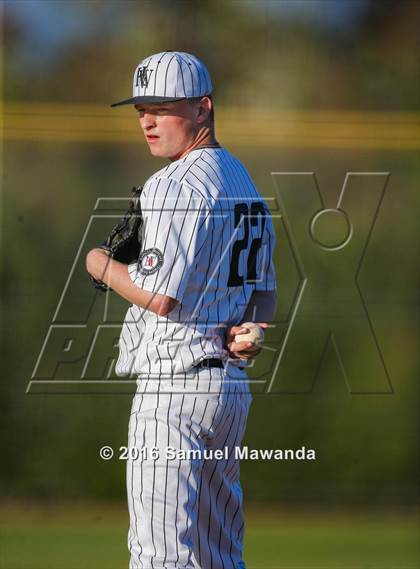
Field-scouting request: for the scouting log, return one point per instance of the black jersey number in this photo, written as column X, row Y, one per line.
column 246, row 218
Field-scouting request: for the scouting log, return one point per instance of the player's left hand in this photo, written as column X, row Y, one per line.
column 97, row 261
column 242, row 350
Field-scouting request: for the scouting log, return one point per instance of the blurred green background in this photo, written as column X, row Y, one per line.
column 300, row 86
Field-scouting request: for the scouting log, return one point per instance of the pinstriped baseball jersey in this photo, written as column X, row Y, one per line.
column 208, row 242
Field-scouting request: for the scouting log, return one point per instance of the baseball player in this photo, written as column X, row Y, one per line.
column 205, row 266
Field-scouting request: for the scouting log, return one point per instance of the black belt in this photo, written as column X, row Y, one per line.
column 210, row 362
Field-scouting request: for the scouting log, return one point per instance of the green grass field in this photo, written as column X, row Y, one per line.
column 94, row 537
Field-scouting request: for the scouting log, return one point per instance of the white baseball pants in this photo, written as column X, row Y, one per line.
column 187, row 512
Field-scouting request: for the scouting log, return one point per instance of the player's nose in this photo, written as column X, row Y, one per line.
column 147, row 121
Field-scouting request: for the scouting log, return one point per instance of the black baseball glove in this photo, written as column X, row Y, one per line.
column 124, row 241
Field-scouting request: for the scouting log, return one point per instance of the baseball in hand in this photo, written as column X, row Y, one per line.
column 255, row 334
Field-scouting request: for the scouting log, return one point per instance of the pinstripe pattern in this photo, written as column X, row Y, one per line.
column 188, row 208
column 187, row 513
column 171, row 74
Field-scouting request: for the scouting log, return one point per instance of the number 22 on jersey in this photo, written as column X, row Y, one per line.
column 248, row 218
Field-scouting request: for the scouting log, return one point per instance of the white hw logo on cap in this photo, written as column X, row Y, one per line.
column 143, row 75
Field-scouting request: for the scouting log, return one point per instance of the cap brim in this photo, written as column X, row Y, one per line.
column 147, row 100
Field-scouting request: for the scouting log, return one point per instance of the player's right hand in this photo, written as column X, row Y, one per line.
column 242, row 350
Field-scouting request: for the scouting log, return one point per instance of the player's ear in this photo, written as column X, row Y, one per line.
column 203, row 109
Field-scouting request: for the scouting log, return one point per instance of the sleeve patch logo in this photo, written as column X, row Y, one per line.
column 150, row 261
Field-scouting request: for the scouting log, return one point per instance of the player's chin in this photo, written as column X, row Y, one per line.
column 157, row 150
column 154, row 149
